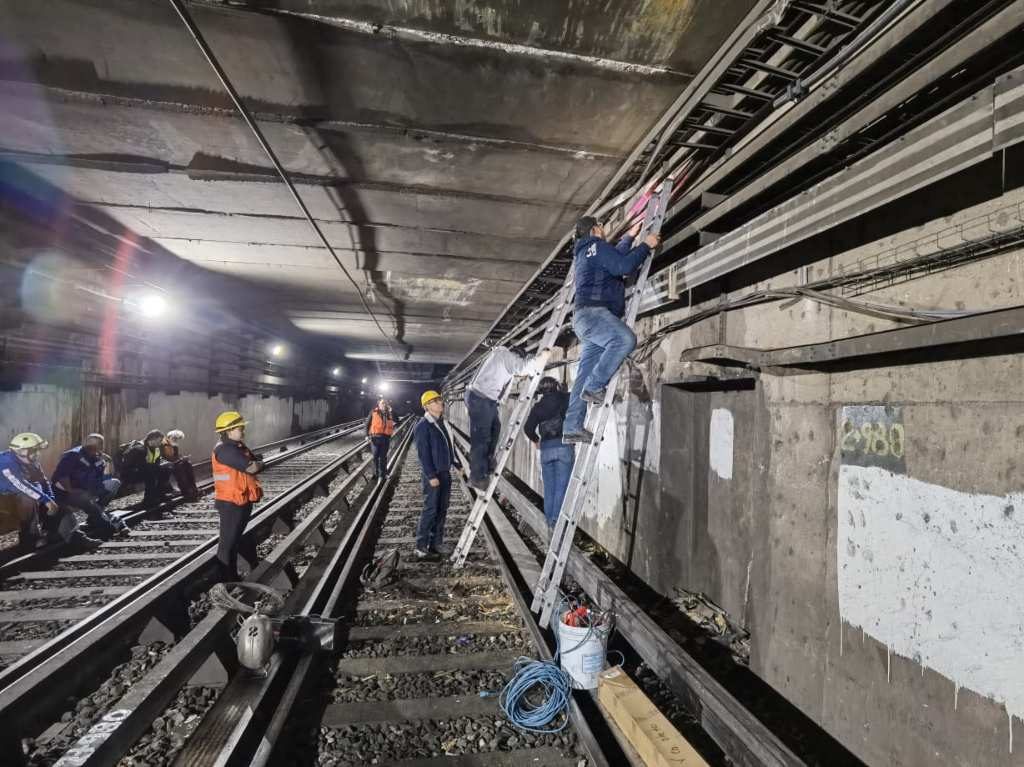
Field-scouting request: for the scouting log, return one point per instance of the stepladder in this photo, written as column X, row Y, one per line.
column 546, row 591
column 559, row 312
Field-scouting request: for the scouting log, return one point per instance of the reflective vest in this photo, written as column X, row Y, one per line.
column 232, row 485
column 381, row 426
column 152, row 454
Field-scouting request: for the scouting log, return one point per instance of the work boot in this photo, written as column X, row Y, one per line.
column 441, row 551
column 594, row 397
column 83, row 542
column 479, row 483
column 583, row 436
column 426, row 556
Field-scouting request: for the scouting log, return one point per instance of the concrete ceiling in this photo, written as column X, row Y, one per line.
column 444, row 145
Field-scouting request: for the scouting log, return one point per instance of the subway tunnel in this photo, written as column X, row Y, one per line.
column 796, row 501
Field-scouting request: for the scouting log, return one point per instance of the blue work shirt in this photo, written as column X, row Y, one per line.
column 601, row 272
column 17, row 478
column 77, row 470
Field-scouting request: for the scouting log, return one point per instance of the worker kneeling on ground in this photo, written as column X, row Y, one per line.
column 83, row 481
column 181, row 465
column 379, row 428
column 601, row 273
column 437, row 456
column 482, row 396
column 236, row 489
column 27, row 498
column 544, row 429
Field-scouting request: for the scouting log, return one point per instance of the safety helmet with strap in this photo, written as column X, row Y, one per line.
column 229, row 419
column 429, row 396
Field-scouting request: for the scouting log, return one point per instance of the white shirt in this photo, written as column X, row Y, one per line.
column 501, row 364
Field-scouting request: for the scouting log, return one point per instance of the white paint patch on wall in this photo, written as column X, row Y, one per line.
column 721, row 442
column 936, row 574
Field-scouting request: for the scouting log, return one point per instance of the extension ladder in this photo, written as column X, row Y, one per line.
column 653, row 217
column 545, row 593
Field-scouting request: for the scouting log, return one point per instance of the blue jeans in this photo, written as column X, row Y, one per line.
column 435, row 508
column 556, row 462
column 484, row 433
column 607, row 341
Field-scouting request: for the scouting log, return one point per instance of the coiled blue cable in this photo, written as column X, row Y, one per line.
column 548, row 684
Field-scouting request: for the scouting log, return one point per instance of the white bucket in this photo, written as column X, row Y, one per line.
column 582, row 653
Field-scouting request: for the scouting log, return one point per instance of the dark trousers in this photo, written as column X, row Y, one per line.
column 556, row 462
column 157, row 477
column 435, row 509
column 380, row 445
column 98, row 520
column 484, row 433
column 186, row 478
column 233, row 520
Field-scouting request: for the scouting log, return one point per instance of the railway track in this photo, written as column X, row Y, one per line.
column 83, row 618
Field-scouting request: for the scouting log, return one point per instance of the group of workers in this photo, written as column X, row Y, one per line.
column 42, row 508
column 557, row 420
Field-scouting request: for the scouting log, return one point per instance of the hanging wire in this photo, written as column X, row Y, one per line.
column 193, row 30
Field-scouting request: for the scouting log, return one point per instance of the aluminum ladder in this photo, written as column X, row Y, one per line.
column 545, row 594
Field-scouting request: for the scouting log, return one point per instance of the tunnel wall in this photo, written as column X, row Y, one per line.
column 866, row 524
column 63, row 415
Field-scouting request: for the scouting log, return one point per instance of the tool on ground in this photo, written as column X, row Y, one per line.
column 560, row 309
column 263, row 631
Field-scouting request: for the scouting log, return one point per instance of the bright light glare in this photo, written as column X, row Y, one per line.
column 336, row 371
column 277, row 350
column 363, row 381
column 153, row 305
column 384, row 386
column 362, row 394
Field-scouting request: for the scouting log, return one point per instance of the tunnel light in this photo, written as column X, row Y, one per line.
column 152, row 305
column 277, row 350
column 384, row 386
column 362, row 394
column 335, row 372
column 363, row 381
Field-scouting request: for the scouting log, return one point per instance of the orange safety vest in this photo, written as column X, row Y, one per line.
column 232, row 485
column 380, row 426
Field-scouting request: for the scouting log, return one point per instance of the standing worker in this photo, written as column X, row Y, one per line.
column 601, row 272
column 26, row 496
column 482, row 396
column 379, row 428
column 236, row 489
column 544, row 429
column 437, row 456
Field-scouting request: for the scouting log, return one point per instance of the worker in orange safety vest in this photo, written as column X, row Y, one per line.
column 235, row 490
column 380, row 425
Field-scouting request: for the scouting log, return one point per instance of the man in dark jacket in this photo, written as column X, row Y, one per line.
column 436, row 451
column 544, row 429
column 82, row 481
column 601, row 273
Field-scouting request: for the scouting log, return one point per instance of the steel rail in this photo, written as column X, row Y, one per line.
column 112, row 738
column 39, row 683
column 267, row 702
column 742, row 737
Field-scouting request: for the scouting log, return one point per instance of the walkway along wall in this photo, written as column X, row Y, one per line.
column 865, row 519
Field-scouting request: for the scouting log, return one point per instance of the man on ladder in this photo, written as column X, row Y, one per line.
column 601, row 272
column 482, row 403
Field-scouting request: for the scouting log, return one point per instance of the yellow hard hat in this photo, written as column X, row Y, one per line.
column 230, row 419
column 28, row 440
column 429, row 396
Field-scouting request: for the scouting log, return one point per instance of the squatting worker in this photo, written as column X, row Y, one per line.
column 544, row 429
column 601, row 272
column 436, row 452
column 235, row 490
column 482, row 395
column 27, row 500
column 379, row 428
column 82, row 481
